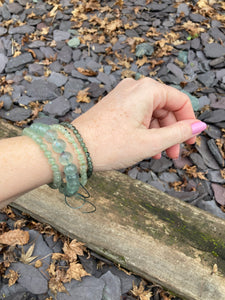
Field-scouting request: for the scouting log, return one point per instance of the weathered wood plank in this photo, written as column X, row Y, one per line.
column 150, row 233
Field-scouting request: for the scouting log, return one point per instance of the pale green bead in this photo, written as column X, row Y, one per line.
column 59, row 146
column 48, row 154
column 55, row 168
column 65, row 158
column 43, row 147
column 51, row 160
column 40, row 128
column 51, row 136
column 70, row 169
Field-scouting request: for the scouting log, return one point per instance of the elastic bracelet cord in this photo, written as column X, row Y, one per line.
column 82, row 144
column 57, row 180
column 80, row 156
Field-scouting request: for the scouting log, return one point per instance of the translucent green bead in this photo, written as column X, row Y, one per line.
column 50, row 136
column 51, row 160
column 65, row 158
column 40, row 128
column 70, row 169
column 48, row 154
column 59, row 146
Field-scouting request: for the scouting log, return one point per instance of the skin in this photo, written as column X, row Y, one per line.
column 135, row 121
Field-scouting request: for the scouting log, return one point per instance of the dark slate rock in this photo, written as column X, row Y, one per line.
column 208, row 158
column 160, row 165
column 46, row 120
column 89, row 264
column 89, row 288
column 211, row 207
column 196, row 43
column 183, row 8
column 65, row 55
column 97, row 48
column 16, row 114
column 59, row 35
column 214, row 50
column 21, row 29
column 215, row 152
column 198, row 161
column 77, row 54
column 95, row 90
column 220, row 73
column 218, row 103
column 197, row 18
column 158, row 7
column 215, row 176
column 180, row 162
column 25, row 100
column 176, row 71
column 36, row 69
column 215, row 116
column 10, row 291
column 56, row 67
column 57, row 78
column 144, row 49
column 7, row 102
column 17, row 63
column 104, row 78
column 185, row 196
column 47, row 51
column 42, row 90
column 159, row 185
column 30, row 278
column 72, row 87
column 21, row 296
column 169, row 177
column 217, row 61
column 36, row 44
column 15, row 8
column 3, row 31
column 220, row 124
column 217, row 34
column 207, row 79
column 3, row 62
column 143, row 176
column 219, row 193
column 203, row 100
column 112, row 288
column 133, row 173
column 213, row 131
column 59, row 107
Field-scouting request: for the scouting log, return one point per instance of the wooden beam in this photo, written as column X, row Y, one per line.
column 148, row 232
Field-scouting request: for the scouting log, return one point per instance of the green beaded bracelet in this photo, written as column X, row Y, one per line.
column 80, row 140
column 57, row 180
column 80, row 156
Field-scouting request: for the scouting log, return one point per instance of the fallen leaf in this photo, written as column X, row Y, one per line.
column 140, row 292
column 1, row 104
column 15, row 237
column 73, row 249
column 26, row 258
column 82, row 96
column 87, row 72
column 38, row 263
column 75, row 271
column 12, row 276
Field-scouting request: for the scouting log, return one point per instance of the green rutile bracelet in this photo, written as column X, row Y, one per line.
column 80, row 140
column 55, row 168
column 80, row 156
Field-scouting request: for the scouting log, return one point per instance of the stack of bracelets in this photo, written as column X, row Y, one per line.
column 70, row 184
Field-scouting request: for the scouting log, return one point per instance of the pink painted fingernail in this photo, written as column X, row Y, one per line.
column 198, row 127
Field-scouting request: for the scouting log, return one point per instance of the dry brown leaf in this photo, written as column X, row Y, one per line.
column 56, row 286
column 38, row 263
column 82, row 96
column 15, row 237
column 1, row 104
column 58, row 256
column 8, row 211
column 113, row 25
column 26, row 258
column 142, row 61
column 140, row 292
column 127, row 74
column 75, row 271
column 120, row 3
column 12, row 276
column 87, row 72
column 20, row 223
column 73, row 249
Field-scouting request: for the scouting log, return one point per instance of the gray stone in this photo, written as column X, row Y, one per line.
column 36, row 69
column 36, row 44
column 198, row 161
column 104, row 78
column 112, row 288
column 217, row 61
column 211, row 207
column 133, row 173
column 159, row 185
column 218, row 103
column 207, row 79
column 25, row 100
column 16, row 114
column 95, row 90
column 89, row 288
column 3, row 62
column 160, row 165
column 195, row 43
column 215, row 116
column 213, row 131
column 57, row 78
column 56, row 67
column 89, row 264
column 215, row 176
column 215, row 152
column 3, row 31
column 217, row 34
column 17, row 63
column 180, row 162
column 183, row 8
column 144, row 49
column 185, row 196
column 15, row 8
column 203, row 100
column 59, row 107
column 100, row 48
column 219, row 193
column 59, row 35
column 220, row 74
column 72, row 87
column 74, row 42
column 143, row 176
column 21, row 29
column 208, row 158
column 214, row 50
column 47, row 51
column 176, row 71
column 30, row 278
column 42, row 90
column 65, row 55
column 9, row 291
column 46, row 120
column 7, row 102
column 157, row 6
column 169, row 177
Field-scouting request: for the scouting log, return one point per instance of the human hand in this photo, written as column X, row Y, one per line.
column 135, row 121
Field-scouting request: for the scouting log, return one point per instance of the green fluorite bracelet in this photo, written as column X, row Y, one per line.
column 80, row 156
column 80, row 140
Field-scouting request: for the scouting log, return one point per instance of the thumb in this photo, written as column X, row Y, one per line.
column 159, row 139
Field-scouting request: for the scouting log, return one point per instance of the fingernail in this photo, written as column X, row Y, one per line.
column 198, row 127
